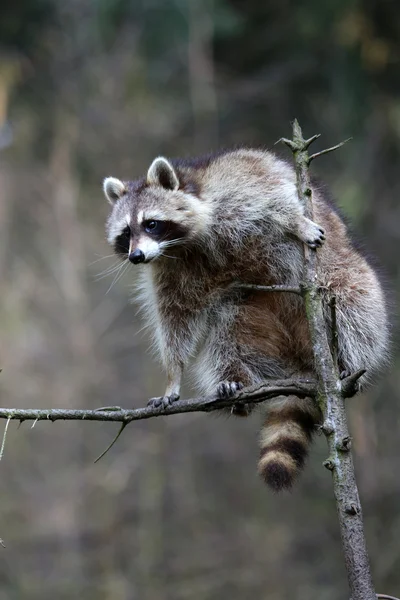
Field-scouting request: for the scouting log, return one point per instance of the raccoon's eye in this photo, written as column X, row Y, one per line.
column 155, row 227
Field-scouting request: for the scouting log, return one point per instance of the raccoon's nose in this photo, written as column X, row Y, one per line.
column 136, row 257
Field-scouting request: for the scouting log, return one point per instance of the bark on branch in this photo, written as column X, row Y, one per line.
column 259, row 393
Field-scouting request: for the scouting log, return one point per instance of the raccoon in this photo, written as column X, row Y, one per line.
column 195, row 227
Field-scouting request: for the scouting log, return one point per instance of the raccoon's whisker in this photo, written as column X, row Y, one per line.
column 101, row 258
column 112, row 267
column 118, row 276
column 115, row 278
column 109, row 271
column 168, row 256
column 107, row 274
column 170, row 243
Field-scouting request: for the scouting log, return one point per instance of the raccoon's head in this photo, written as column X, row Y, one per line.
column 152, row 215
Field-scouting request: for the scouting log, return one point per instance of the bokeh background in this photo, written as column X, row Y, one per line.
column 175, row 511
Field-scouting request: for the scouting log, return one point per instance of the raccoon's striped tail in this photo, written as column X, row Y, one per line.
column 285, row 438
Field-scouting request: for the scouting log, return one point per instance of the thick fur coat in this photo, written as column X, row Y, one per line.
column 195, row 227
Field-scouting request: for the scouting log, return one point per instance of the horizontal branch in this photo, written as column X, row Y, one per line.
column 273, row 388
column 259, row 393
column 267, row 288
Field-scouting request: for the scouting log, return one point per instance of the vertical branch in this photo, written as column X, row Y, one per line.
column 331, row 400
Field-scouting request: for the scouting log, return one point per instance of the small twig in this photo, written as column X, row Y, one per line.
column 310, row 140
column 317, row 154
column 3, row 443
column 386, row 597
column 112, row 443
column 334, row 333
column 267, row 288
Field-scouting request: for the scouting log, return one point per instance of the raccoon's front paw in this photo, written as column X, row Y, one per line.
column 227, row 389
column 163, row 401
column 311, row 234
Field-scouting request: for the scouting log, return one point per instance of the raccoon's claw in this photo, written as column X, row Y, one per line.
column 163, row 401
column 317, row 240
column 227, row 389
column 312, row 234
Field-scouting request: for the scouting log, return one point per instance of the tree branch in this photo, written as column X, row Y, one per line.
column 267, row 288
column 322, row 152
column 256, row 394
column 331, row 399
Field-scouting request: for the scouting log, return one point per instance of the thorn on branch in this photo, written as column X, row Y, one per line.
column 310, row 140
column 327, row 427
column 352, row 509
column 349, row 385
column 344, row 445
column 3, row 443
column 329, row 464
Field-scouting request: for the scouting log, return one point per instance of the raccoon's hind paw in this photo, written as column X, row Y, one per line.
column 163, row 401
column 311, row 233
column 227, row 389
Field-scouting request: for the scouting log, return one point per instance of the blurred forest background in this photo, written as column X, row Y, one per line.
column 175, row 511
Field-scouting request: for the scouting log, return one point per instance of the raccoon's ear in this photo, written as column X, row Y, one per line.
column 162, row 173
column 113, row 189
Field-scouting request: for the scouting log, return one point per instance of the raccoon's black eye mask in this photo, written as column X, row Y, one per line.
column 121, row 245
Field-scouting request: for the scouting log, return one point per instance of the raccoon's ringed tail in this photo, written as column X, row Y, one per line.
column 285, row 439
